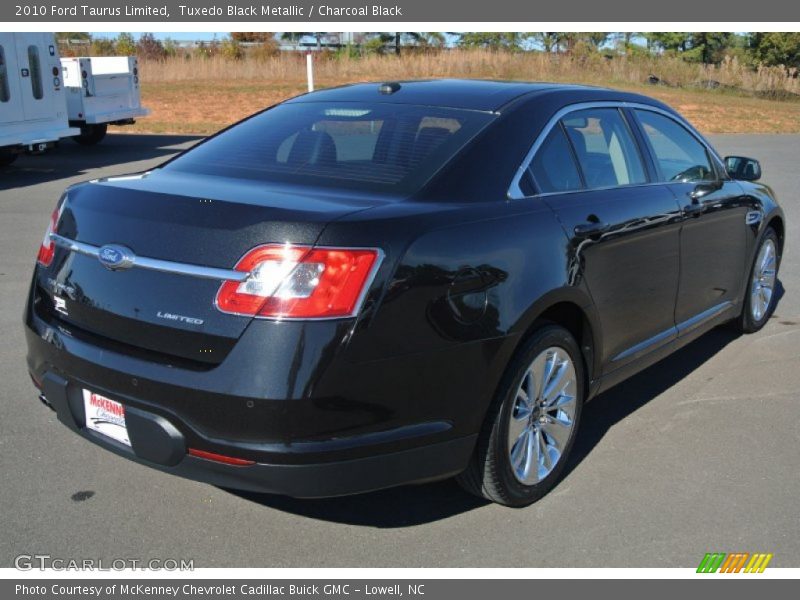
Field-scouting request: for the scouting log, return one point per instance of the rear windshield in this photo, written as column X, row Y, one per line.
column 372, row 147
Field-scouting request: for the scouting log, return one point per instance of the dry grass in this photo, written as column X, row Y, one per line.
column 196, row 95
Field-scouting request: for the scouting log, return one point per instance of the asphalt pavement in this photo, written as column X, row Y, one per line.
column 699, row 453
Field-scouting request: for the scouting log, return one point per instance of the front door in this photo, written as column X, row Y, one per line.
column 713, row 237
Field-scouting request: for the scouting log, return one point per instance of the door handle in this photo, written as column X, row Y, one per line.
column 591, row 228
column 695, row 208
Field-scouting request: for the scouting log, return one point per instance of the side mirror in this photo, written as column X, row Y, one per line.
column 741, row 167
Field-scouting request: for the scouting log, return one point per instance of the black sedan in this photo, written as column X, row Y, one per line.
column 382, row 284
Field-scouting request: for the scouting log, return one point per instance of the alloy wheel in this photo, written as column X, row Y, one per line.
column 543, row 416
column 763, row 283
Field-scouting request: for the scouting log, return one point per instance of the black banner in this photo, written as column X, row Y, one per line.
column 401, row 11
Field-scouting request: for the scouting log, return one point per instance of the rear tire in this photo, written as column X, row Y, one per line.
column 7, row 157
column 760, row 297
column 530, row 427
column 91, row 134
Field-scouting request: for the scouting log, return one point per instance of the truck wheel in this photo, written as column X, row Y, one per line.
column 91, row 134
column 530, row 427
column 7, row 157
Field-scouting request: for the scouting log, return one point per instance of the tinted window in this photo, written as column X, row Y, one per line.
column 606, row 152
column 5, row 95
column 553, row 166
column 679, row 155
column 380, row 147
column 36, row 72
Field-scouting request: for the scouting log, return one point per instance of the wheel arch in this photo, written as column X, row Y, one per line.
column 575, row 313
column 776, row 222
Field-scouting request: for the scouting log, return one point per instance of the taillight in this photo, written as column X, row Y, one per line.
column 300, row 282
column 48, row 248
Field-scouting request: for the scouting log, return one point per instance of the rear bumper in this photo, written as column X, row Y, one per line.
column 349, row 439
column 112, row 116
column 157, row 443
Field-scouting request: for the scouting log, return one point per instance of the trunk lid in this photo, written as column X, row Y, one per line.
column 181, row 218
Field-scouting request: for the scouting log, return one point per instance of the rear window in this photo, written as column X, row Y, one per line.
column 553, row 167
column 372, row 147
column 606, row 152
column 36, row 72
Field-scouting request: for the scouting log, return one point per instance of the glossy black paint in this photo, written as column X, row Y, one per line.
column 467, row 274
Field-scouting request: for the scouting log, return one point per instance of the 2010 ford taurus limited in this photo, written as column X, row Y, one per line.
column 382, row 284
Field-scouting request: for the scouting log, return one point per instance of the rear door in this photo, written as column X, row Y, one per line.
column 714, row 232
column 110, row 84
column 36, row 80
column 624, row 233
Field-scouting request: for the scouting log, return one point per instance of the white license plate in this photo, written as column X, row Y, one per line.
column 105, row 416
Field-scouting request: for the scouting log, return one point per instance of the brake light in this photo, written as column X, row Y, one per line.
column 48, row 248
column 300, row 282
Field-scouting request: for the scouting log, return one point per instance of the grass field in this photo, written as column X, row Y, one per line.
column 203, row 95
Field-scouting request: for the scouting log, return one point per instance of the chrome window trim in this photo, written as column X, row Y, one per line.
column 515, row 191
column 154, row 264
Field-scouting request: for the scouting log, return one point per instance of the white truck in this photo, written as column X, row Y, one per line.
column 33, row 110
column 101, row 90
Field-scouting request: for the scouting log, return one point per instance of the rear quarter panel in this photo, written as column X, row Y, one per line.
column 459, row 287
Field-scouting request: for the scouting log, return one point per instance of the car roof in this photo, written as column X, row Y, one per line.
column 470, row 94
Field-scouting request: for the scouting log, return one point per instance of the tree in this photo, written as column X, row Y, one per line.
column 171, row 47
column 548, row 41
column 231, row 49
column 103, row 47
column 417, row 38
column 150, row 48
column 776, row 48
column 705, row 47
column 259, row 37
column 567, row 41
column 667, row 41
column 491, row 40
column 709, row 47
column 125, row 44
column 434, row 38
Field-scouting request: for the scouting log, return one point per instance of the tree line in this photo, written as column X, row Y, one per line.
column 758, row 48
column 772, row 48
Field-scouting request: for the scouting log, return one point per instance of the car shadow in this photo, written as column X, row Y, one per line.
column 611, row 407
column 71, row 160
column 419, row 504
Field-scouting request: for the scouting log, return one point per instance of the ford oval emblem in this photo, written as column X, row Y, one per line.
column 115, row 257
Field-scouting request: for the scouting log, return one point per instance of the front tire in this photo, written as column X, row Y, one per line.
column 91, row 134
column 760, row 298
column 531, row 424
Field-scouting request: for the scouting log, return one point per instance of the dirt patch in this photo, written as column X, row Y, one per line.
column 204, row 107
